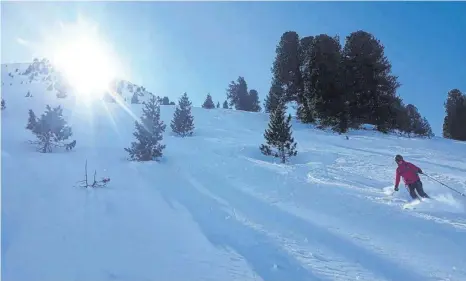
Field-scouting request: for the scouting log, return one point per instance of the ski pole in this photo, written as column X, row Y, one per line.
column 462, row 194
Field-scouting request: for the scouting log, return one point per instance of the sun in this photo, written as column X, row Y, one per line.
column 84, row 58
column 86, row 66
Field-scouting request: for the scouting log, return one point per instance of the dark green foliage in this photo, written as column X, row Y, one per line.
column 3, row 104
column 325, row 82
column 278, row 136
column 286, row 67
column 218, row 104
column 183, row 121
column 208, row 103
column 399, row 116
column 386, row 113
column 273, row 98
column 305, row 99
column 32, row 120
column 239, row 97
column 237, row 94
column 341, row 87
column 454, row 123
column 149, row 132
column 417, row 125
column 165, row 101
column 426, row 129
column 172, row 103
column 135, row 98
column 50, row 129
column 225, row 105
column 254, row 103
column 369, row 83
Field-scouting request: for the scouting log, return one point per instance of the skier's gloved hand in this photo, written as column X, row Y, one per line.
column 420, row 172
column 396, row 188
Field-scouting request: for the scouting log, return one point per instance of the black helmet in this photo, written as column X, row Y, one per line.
column 398, row 157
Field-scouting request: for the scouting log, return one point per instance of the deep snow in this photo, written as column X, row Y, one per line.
column 214, row 208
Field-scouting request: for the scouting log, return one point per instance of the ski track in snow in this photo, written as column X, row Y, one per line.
column 214, row 208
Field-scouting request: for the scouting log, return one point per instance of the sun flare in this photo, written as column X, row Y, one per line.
column 85, row 60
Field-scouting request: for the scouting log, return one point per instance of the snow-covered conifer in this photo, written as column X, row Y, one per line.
column 278, row 136
column 183, row 121
column 149, row 133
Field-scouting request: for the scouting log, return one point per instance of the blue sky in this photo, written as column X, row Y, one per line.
column 199, row 47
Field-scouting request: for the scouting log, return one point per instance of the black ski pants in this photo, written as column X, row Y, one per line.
column 417, row 186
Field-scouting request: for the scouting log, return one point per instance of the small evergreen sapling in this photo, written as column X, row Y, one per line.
column 3, row 104
column 225, row 105
column 50, row 129
column 149, row 133
column 278, row 136
column 208, row 103
column 183, row 121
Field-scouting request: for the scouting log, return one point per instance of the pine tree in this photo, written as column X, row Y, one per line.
column 254, row 103
column 149, row 133
column 208, row 103
column 273, row 98
column 455, row 116
column 426, row 129
column 239, row 97
column 399, row 117
column 278, row 136
column 165, row 101
column 218, row 104
column 32, row 120
column 50, row 129
column 237, row 94
column 417, row 124
column 325, row 82
column 305, row 99
column 183, row 122
column 286, row 67
column 225, row 105
column 3, row 104
column 369, row 83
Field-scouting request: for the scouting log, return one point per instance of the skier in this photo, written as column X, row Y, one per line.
column 409, row 172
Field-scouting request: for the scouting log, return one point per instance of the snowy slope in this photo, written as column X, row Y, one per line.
column 215, row 208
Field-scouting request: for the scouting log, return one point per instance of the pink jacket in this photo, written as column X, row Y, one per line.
column 408, row 171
